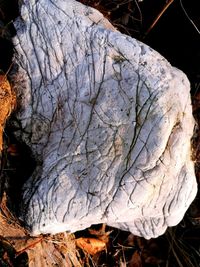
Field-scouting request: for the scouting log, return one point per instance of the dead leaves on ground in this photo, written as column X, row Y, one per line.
column 7, row 103
column 43, row 251
column 100, row 248
column 91, row 245
column 96, row 243
column 58, row 250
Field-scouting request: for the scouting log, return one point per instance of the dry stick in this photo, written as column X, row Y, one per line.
column 158, row 17
column 32, row 245
column 5, row 74
column 188, row 17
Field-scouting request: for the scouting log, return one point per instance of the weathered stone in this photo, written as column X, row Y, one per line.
column 108, row 119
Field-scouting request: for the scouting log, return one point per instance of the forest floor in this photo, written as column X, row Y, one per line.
column 172, row 28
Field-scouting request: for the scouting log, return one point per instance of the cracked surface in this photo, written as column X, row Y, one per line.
column 108, row 119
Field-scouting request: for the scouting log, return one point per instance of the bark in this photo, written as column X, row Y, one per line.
column 107, row 118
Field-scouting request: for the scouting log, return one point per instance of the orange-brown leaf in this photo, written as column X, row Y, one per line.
column 91, row 245
column 58, row 250
column 7, row 102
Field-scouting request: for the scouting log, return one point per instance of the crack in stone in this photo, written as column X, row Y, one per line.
column 108, row 120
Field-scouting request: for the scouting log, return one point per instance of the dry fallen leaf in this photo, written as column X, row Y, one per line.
column 90, row 245
column 58, row 250
column 135, row 260
column 7, row 103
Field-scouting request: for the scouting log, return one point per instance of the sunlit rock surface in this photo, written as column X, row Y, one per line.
column 108, row 120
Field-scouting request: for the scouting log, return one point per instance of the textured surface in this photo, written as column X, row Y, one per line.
column 7, row 103
column 108, row 120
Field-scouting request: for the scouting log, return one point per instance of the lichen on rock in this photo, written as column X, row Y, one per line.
column 108, row 120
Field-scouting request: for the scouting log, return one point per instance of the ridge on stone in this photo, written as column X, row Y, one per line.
column 108, row 120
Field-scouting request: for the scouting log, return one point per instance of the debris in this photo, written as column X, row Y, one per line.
column 7, row 103
column 91, row 245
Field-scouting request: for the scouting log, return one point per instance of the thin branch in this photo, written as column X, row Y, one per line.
column 188, row 17
column 158, row 17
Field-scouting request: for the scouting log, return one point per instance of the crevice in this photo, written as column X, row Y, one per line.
column 18, row 165
column 16, row 161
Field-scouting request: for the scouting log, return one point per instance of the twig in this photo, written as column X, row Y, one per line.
column 32, row 245
column 186, row 14
column 158, row 17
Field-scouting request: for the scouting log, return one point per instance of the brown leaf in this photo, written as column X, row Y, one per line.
column 58, row 250
column 135, row 260
column 91, row 245
column 7, row 103
column 10, row 227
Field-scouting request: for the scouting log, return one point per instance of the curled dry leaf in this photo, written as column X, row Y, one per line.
column 90, row 245
column 7, row 102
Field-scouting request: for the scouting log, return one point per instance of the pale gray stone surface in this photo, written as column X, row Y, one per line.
column 108, row 119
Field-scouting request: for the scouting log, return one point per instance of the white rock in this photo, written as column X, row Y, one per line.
column 108, row 119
